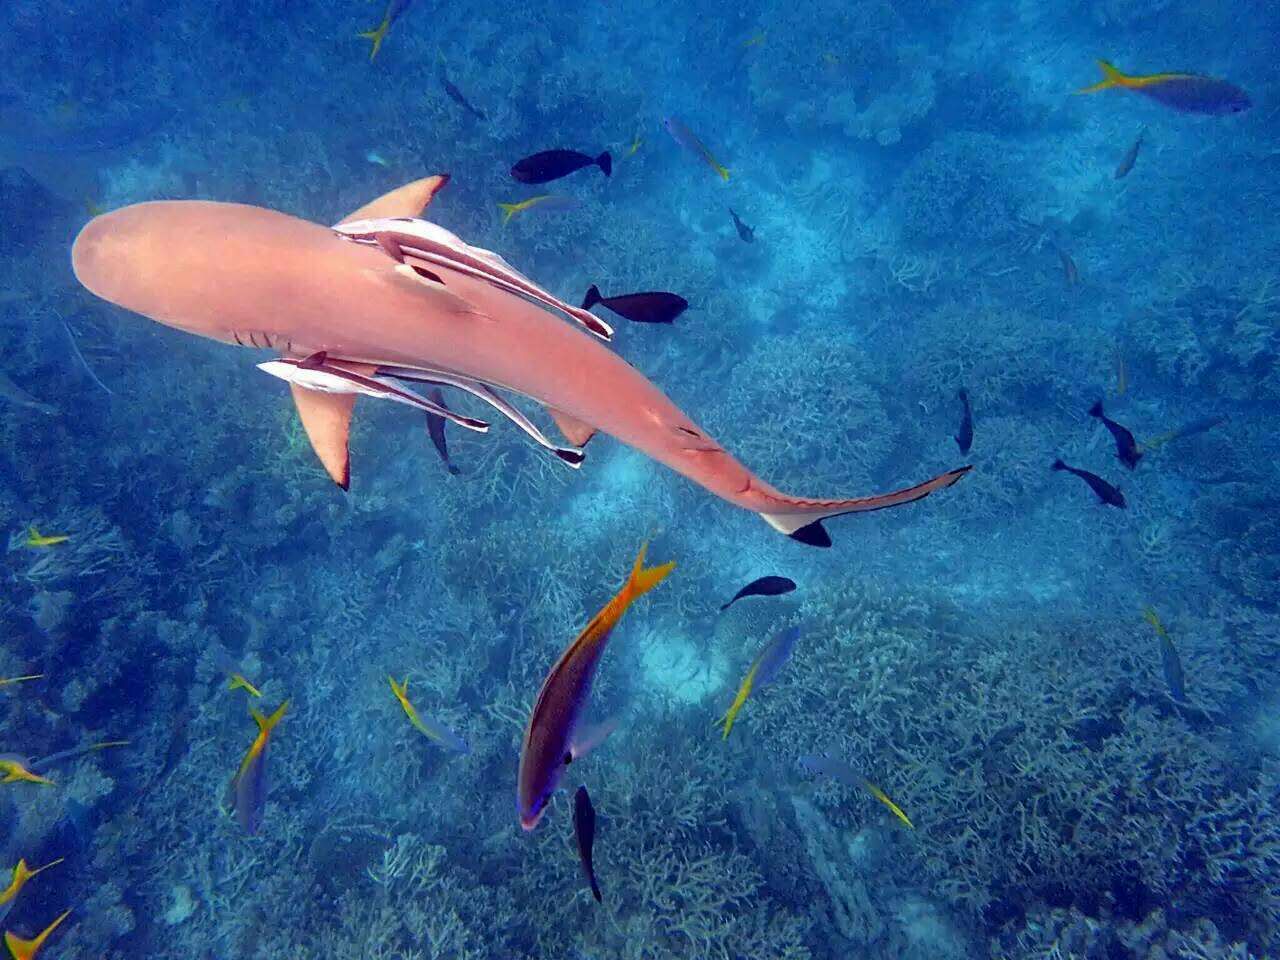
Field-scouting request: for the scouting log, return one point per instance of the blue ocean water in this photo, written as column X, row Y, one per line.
column 934, row 210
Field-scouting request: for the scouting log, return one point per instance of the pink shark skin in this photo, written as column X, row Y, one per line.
column 255, row 277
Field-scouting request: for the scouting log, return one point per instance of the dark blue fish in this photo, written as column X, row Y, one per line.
column 763, row 587
column 1126, row 447
column 1130, row 157
column 964, row 439
column 746, row 233
column 553, row 164
column 1105, row 491
column 435, row 429
column 1184, row 92
column 456, row 96
column 652, row 307
column 584, row 828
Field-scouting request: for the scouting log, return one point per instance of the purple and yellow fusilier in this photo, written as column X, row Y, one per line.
column 686, row 138
column 550, row 743
column 1184, row 92
column 247, row 794
column 764, row 669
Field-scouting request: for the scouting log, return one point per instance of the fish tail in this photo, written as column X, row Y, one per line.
column 801, row 518
column 1096, row 410
column 592, row 298
column 605, row 162
column 267, row 724
column 884, row 798
column 31, row 873
column 1111, row 77
column 376, row 35
column 722, row 170
column 643, row 579
column 509, row 210
column 1058, row 465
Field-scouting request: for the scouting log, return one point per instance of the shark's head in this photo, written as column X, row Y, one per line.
column 140, row 257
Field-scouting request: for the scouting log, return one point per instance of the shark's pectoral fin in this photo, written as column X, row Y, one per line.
column 574, row 430
column 326, row 417
column 407, row 201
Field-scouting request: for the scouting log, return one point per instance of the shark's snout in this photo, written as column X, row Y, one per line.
column 98, row 256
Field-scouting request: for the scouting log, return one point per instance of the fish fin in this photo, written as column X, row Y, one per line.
column 801, row 518
column 407, row 201
column 376, row 35
column 587, row 739
column 1096, row 410
column 605, row 162
column 884, row 798
column 326, row 418
column 509, row 210
column 643, row 579
column 1058, row 465
column 267, row 724
column 590, row 300
column 574, row 430
column 51, row 863
column 1111, row 77
column 723, row 171
column 26, row 949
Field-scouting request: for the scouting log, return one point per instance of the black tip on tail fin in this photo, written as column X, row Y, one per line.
column 605, row 160
column 1096, row 409
column 570, row 456
column 592, row 298
column 1058, row 465
column 814, row 534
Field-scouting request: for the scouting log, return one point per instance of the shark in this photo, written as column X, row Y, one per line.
column 386, row 299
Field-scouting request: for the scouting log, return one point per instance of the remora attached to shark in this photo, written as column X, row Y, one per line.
column 385, row 297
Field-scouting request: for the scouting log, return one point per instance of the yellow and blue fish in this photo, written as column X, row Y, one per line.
column 552, row 740
column 247, row 793
column 763, row 670
column 1184, row 92
column 39, row 540
column 431, row 729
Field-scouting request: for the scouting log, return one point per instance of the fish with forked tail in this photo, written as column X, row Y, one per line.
column 770, row 586
column 584, row 829
column 553, row 164
column 1105, row 491
column 747, row 234
column 1184, row 92
column 651, row 307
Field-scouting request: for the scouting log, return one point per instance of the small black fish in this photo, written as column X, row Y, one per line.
column 584, row 827
column 553, row 164
column 1130, row 157
column 746, row 233
column 1105, row 491
column 456, row 96
column 964, row 439
column 435, row 428
column 653, row 307
column 1126, row 447
column 762, row 587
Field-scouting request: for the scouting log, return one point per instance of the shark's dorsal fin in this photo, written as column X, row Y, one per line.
column 407, row 201
column 574, row 430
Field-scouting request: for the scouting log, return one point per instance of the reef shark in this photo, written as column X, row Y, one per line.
column 385, row 297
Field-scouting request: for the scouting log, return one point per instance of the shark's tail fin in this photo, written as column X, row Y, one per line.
column 801, row 518
column 592, row 298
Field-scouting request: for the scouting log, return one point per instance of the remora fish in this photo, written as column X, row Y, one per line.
column 762, row 587
column 1105, row 491
column 1126, row 447
column 964, row 438
column 551, row 739
column 1184, row 92
column 553, row 164
column 652, row 307
column 584, row 829
column 746, row 233
column 384, row 295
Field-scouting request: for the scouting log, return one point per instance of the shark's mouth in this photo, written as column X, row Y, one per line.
column 418, row 244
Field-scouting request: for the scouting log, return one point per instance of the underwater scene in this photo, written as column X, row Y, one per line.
column 826, row 506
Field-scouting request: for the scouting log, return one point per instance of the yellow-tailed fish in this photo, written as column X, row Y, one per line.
column 15, row 771
column 1184, row 92
column 1186, row 430
column 1170, row 662
column 21, row 874
column 547, row 202
column 23, row 679
column 238, row 682
column 840, row 771
column 763, row 670
column 37, row 539
column 552, row 739
column 247, row 793
column 685, row 137
column 379, row 33
column 431, row 729
column 21, row 949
